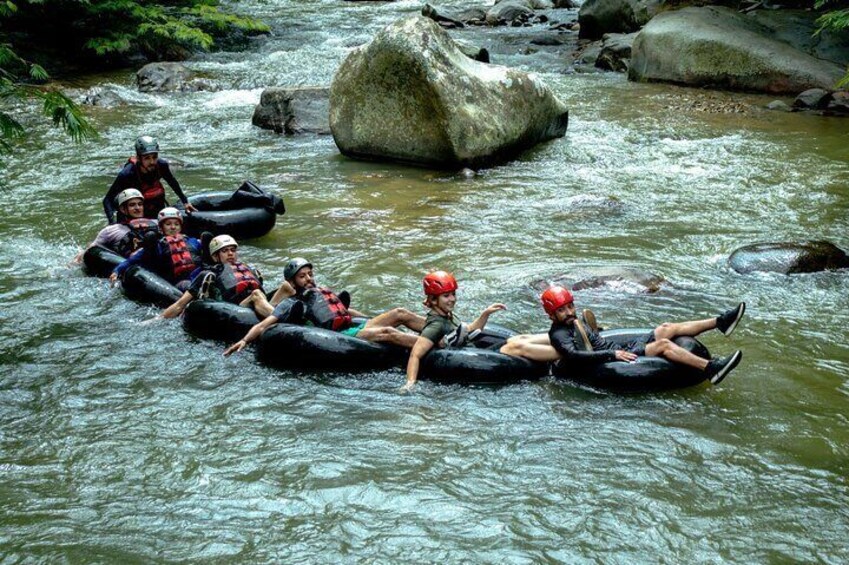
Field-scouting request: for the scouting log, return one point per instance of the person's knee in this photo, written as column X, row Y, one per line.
column 664, row 344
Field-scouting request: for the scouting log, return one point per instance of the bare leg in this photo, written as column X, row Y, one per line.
column 690, row 329
column 536, row 347
column 388, row 334
column 675, row 353
column 259, row 303
column 285, row 291
column 397, row 317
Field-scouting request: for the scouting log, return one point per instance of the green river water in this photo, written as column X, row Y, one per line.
column 122, row 442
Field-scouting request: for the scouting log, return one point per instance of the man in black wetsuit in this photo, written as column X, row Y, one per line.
column 145, row 172
column 569, row 340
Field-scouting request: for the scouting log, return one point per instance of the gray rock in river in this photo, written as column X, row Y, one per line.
column 509, row 12
column 813, row 99
column 410, row 95
column 615, row 53
column 839, row 103
column 441, row 17
column 597, row 17
column 788, row 257
column 718, row 47
column 171, row 77
column 104, row 97
column 624, row 279
column 294, row 110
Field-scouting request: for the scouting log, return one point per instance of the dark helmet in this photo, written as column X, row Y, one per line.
column 294, row 266
column 145, row 145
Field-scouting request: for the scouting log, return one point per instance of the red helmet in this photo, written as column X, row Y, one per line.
column 554, row 298
column 437, row 282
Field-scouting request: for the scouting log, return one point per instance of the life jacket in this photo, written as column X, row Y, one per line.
column 325, row 310
column 179, row 258
column 151, row 188
column 134, row 239
column 236, row 282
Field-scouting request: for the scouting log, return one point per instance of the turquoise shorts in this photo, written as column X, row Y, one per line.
column 353, row 330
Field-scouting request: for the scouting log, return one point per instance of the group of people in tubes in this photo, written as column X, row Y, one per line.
column 148, row 232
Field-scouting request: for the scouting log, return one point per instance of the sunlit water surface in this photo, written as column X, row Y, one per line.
column 122, row 442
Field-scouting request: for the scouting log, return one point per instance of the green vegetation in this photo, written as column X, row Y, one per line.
column 835, row 18
column 61, row 35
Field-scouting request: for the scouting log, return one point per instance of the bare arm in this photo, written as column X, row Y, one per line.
column 420, row 349
column 256, row 331
column 177, row 308
column 481, row 320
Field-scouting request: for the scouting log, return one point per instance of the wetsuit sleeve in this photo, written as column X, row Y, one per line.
column 562, row 341
column 168, row 176
column 134, row 259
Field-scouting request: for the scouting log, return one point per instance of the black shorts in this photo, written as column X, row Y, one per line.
column 638, row 346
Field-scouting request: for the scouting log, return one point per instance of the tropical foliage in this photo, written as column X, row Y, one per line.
column 835, row 18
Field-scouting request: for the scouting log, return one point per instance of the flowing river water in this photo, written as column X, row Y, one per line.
column 122, row 442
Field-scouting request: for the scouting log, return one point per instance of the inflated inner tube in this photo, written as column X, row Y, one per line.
column 247, row 213
column 222, row 321
column 306, row 347
column 646, row 374
column 100, row 261
column 480, row 362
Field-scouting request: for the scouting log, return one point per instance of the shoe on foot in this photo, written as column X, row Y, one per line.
column 205, row 285
column 727, row 321
column 719, row 367
column 589, row 320
column 457, row 338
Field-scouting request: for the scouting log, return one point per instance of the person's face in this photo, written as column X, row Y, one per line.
column 227, row 254
column 148, row 162
column 133, row 208
column 565, row 314
column 170, row 226
column 304, row 279
column 445, row 302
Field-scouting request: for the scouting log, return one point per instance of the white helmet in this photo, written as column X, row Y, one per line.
column 167, row 213
column 128, row 194
column 220, row 242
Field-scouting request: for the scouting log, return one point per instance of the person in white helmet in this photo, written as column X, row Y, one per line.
column 176, row 257
column 229, row 280
column 145, row 172
column 127, row 235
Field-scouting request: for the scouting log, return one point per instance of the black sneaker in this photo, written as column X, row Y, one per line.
column 589, row 320
column 457, row 338
column 719, row 368
column 205, row 285
column 727, row 321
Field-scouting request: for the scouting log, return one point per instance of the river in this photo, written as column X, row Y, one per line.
column 122, row 442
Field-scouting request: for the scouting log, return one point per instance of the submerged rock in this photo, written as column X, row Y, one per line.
column 411, row 95
column 294, row 110
column 624, row 279
column 788, row 257
column 102, row 96
column 171, row 77
column 718, row 47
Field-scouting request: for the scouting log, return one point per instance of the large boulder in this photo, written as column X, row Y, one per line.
column 718, row 47
column 598, row 17
column 788, row 257
column 294, row 110
column 411, row 95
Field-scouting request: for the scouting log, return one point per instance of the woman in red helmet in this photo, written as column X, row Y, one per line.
column 568, row 339
column 441, row 329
